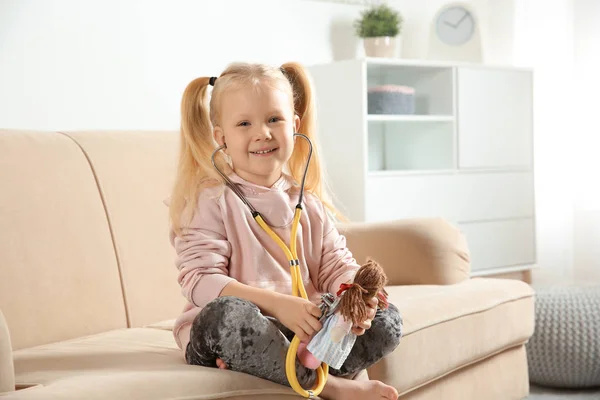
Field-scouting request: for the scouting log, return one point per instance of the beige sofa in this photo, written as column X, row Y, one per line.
column 88, row 286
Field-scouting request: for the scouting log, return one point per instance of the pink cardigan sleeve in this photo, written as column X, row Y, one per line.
column 337, row 263
column 203, row 254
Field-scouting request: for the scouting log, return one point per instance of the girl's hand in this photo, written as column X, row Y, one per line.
column 360, row 329
column 299, row 315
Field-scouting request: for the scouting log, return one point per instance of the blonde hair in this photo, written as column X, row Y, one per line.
column 195, row 171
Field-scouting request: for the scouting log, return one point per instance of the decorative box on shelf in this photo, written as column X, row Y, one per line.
column 391, row 99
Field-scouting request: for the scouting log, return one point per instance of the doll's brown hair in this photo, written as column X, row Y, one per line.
column 369, row 282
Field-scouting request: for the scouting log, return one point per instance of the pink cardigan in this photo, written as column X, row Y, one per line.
column 224, row 243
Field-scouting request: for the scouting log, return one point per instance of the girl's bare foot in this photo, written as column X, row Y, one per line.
column 306, row 358
column 338, row 388
column 221, row 364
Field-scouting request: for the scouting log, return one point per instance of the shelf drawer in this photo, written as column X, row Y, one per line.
column 464, row 197
column 500, row 243
column 398, row 197
column 495, row 195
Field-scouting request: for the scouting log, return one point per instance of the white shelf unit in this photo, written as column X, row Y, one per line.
column 465, row 155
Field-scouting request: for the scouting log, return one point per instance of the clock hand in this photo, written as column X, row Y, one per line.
column 462, row 19
column 448, row 23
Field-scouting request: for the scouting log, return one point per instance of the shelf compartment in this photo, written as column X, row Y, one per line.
column 433, row 86
column 410, row 145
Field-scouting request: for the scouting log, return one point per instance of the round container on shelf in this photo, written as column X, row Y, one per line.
column 391, row 99
column 381, row 46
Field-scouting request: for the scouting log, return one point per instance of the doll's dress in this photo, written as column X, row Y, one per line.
column 332, row 344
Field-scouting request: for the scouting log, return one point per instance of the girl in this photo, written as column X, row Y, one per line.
column 240, row 312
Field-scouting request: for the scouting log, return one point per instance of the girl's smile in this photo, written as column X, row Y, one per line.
column 265, row 152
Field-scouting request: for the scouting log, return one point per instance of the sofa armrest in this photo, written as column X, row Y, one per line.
column 7, row 370
column 424, row 251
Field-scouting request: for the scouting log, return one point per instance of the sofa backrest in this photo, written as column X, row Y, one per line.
column 84, row 245
column 59, row 277
column 135, row 171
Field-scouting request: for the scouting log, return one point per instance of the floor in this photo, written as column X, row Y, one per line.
column 539, row 393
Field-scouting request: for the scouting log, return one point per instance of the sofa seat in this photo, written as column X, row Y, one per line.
column 450, row 327
column 136, row 363
column 445, row 329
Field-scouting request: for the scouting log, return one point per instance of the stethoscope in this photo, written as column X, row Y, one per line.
column 328, row 304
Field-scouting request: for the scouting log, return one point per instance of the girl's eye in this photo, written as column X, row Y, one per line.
column 274, row 119
column 244, row 123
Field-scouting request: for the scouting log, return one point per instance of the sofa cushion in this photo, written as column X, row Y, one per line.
column 449, row 327
column 445, row 329
column 136, row 363
column 59, row 278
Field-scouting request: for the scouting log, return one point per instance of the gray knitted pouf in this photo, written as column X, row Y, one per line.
column 564, row 350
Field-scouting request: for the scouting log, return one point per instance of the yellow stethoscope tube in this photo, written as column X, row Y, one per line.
column 297, row 288
column 297, row 284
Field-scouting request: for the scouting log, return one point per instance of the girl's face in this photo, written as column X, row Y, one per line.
column 257, row 125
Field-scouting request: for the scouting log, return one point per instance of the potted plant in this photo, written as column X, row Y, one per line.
column 379, row 26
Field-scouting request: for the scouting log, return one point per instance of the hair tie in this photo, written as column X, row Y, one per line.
column 212, row 80
column 346, row 286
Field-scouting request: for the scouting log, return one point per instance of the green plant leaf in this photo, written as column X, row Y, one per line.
column 379, row 20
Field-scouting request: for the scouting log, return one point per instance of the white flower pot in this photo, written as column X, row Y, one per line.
column 383, row 46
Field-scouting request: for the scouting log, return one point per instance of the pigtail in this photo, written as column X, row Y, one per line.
column 369, row 282
column 194, row 168
column 304, row 107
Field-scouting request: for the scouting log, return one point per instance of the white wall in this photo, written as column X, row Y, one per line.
column 586, row 137
column 543, row 39
column 587, row 245
column 71, row 64
column 587, row 90
column 87, row 64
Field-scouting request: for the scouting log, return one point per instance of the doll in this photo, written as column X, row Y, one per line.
column 333, row 342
